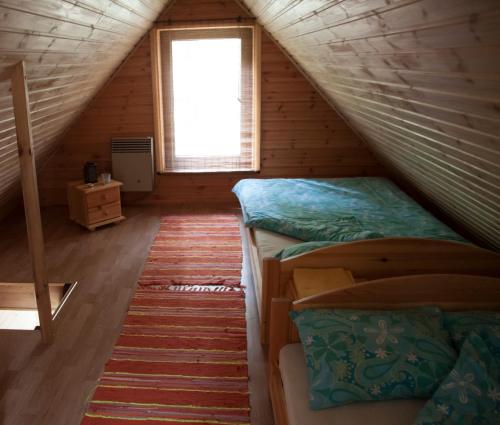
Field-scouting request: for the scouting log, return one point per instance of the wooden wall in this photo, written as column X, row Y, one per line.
column 301, row 134
column 420, row 79
column 70, row 49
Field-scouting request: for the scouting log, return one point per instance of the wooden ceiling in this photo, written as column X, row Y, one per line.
column 71, row 48
column 420, row 79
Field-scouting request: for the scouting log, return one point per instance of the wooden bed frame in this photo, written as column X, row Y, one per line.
column 368, row 259
column 450, row 292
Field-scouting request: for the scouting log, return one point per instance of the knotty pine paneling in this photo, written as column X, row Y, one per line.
column 70, row 48
column 301, row 134
column 420, row 79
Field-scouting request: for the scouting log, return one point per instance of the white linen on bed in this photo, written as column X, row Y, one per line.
column 270, row 243
column 296, row 388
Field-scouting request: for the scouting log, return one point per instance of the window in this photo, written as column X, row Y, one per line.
column 206, row 91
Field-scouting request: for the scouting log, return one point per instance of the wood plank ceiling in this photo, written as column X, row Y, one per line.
column 70, row 48
column 420, row 79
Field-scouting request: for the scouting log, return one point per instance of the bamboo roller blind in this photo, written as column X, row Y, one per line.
column 249, row 137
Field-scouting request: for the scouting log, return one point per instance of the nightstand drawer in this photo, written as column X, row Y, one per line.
column 102, row 197
column 104, row 212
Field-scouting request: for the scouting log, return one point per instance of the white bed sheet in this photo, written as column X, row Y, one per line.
column 296, row 388
column 270, row 243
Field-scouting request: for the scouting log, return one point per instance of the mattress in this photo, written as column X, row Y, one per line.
column 295, row 384
column 269, row 243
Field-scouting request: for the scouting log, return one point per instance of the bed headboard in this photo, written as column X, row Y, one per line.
column 446, row 291
column 450, row 292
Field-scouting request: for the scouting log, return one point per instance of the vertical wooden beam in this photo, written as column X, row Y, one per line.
column 279, row 329
column 31, row 200
column 270, row 289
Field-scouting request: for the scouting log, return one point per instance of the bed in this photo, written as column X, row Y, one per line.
column 366, row 225
column 287, row 375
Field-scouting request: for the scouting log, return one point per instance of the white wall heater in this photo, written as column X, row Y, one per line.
column 132, row 162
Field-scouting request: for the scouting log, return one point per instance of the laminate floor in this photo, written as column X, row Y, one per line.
column 51, row 384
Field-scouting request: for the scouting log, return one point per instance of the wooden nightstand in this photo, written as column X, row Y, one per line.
column 95, row 205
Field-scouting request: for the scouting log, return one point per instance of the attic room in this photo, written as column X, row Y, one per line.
column 249, row 212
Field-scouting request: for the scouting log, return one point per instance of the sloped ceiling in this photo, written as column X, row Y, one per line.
column 420, row 79
column 70, row 48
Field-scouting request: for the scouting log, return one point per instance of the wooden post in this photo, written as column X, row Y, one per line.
column 279, row 328
column 270, row 289
column 278, row 338
column 31, row 201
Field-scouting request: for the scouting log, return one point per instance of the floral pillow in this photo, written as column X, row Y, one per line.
column 355, row 355
column 484, row 323
column 471, row 392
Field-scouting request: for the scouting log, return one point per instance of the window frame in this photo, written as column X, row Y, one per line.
column 159, row 98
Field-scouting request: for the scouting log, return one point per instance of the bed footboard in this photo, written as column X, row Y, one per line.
column 375, row 259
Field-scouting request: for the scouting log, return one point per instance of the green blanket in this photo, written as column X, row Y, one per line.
column 336, row 210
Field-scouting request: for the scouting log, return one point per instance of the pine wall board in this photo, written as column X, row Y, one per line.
column 70, row 49
column 301, row 134
column 420, row 79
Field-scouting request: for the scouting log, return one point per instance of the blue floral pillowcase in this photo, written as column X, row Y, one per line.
column 486, row 324
column 355, row 355
column 471, row 392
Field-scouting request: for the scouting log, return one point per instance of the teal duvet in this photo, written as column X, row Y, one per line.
column 335, row 210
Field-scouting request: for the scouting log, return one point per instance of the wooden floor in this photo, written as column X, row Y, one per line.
column 51, row 384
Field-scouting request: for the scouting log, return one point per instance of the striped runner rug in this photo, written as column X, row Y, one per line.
column 181, row 356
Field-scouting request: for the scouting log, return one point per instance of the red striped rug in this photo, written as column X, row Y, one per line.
column 181, row 356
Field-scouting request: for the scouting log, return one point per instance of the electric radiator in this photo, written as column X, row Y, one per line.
column 132, row 162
